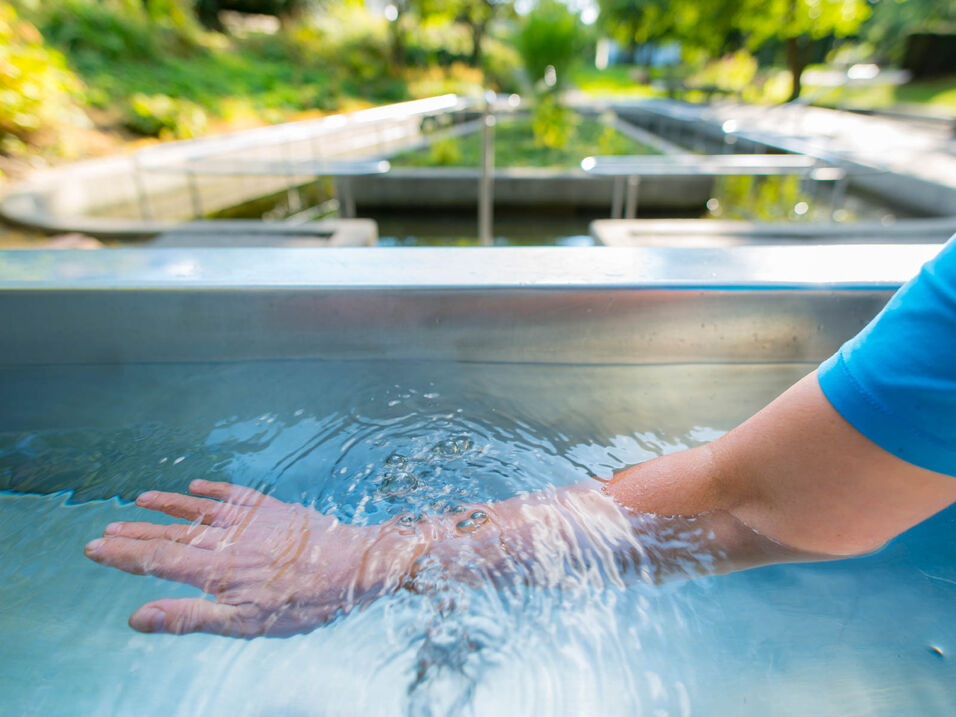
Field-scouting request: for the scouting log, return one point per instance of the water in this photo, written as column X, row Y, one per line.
column 873, row 635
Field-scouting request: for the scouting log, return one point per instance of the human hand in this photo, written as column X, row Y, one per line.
column 274, row 568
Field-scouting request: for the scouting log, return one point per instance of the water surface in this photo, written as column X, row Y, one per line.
column 873, row 635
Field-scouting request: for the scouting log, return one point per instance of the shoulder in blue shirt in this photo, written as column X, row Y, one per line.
column 895, row 381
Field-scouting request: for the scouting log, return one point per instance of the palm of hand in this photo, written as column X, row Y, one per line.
column 274, row 568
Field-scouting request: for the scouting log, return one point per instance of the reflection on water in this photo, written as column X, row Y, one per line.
column 370, row 441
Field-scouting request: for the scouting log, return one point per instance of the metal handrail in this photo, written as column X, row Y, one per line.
column 627, row 172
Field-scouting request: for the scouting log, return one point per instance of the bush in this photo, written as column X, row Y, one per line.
column 549, row 37
column 37, row 90
column 734, row 72
column 115, row 30
column 460, row 78
column 445, row 153
column 553, row 124
column 164, row 117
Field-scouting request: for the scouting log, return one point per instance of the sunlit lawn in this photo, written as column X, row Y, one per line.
column 515, row 146
column 627, row 81
column 938, row 94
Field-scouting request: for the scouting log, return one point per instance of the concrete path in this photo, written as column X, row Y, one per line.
column 906, row 146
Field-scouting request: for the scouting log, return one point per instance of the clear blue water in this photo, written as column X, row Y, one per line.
column 873, row 635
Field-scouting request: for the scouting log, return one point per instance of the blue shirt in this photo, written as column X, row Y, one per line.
column 895, row 381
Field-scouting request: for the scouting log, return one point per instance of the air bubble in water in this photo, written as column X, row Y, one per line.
column 395, row 484
column 472, row 522
column 452, row 447
column 396, row 461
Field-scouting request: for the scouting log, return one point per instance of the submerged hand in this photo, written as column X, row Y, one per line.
column 274, row 568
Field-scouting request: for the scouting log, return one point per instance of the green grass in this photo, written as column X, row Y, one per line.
column 617, row 80
column 936, row 95
column 515, row 146
column 630, row 81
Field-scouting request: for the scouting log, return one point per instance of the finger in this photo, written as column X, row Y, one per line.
column 184, row 615
column 232, row 493
column 198, row 510
column 171, row 561
column 199, row 536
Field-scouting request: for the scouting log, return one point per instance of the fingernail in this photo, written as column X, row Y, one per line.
column 93, row 546
column 146, row 497
column 113, row 528
column 149, row 619
column 198, row 483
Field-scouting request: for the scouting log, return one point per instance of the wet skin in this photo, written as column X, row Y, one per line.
column 794, row 482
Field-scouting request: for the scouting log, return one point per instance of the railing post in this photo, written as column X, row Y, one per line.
column 487, row 178
column 194, row 194
column 617, row 198
column 630, row 203
column 839, row 192
column 144, row 211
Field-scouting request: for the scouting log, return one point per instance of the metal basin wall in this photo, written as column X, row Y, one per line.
column 589, row 306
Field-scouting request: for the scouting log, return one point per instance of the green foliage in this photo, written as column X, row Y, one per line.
column 549, row 36
column 891, row 21
column 124, row 53
column 444, row 153
column 475, row 15
column 763, row 20
column 501, row 64
column 771, row 199
column 516, row 146
column 115, row 30
column 37, row 90
column 165, row 117
column 553, row 123
column 734, row 72
column 459, row 78
column 704, row 24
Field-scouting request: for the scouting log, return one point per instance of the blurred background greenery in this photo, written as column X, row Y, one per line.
column 86, row 77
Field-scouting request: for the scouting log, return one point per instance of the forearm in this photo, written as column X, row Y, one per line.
column 569, row 535
column 794, row 482
column 795, row 472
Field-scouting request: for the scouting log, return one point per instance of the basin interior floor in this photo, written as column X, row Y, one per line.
column 872, row 635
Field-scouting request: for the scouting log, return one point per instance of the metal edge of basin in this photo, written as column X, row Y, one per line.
column 556, row 305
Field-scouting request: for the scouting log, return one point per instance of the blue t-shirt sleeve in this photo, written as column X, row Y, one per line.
column 895, row 381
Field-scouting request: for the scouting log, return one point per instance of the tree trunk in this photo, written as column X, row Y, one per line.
column 208, row 13
column 397, row 49
column 796, row 62
column 477, row 35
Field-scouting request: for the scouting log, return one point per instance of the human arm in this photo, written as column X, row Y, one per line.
column 795, row 474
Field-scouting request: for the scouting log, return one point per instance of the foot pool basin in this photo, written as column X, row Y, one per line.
column 485, row 373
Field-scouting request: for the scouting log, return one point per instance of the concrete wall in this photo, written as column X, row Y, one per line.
column 406, row 188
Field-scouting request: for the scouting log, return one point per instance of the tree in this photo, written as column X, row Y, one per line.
column 798, row 23
column 892, row 21
column 708, row 25
column 715, row 26
column 476, row 14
